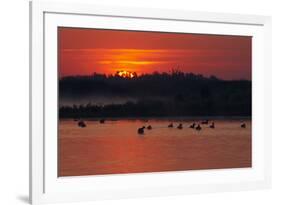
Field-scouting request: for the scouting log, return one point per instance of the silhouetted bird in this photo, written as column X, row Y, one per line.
column 141, row 130
column 171, row 125
column 149, row 127
column 243, row 125
column 81, row 123
column 179, row 126
column 205, row 122
column 212, row 125
column 192, row 126
column 102, row 121
column 75, row 119
column 198, row 127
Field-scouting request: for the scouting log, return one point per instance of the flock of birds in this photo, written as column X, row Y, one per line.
column 180, row 126
column 140, row 130
column 82, row 123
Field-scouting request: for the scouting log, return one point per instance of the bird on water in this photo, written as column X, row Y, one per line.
column 179, row 126
column 212, row 125
column 198, row 127
column 81, row 123
column 171, row 125
column 192, row 126
column 141, row 130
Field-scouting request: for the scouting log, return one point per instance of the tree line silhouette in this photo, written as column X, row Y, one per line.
column 157, row 95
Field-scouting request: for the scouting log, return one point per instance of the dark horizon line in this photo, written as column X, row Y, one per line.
column 153, row 73
column 170, row 117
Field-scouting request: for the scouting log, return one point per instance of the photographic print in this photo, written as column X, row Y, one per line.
column 143, row 101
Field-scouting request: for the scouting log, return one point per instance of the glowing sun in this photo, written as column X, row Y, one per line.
column 126, row 74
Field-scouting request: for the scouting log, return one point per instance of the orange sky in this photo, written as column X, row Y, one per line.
column 85, row 51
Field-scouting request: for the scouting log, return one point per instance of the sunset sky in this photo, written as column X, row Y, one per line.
column 85, row 51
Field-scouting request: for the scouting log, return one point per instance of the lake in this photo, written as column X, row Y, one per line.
column 115, row 147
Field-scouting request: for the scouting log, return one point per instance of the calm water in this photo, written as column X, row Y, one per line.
column 116, row 147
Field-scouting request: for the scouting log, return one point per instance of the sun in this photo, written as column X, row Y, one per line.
column 126, row 74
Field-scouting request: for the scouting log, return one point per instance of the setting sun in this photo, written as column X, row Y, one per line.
column 108, row 51
column 126, row 74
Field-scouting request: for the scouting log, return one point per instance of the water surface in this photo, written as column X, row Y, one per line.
column 115, row 147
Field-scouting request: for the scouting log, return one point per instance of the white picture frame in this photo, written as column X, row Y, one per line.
column 45, row 186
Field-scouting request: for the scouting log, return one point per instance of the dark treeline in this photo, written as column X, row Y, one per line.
column 157, row 95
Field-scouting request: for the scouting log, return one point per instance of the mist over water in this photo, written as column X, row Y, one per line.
column 95, row 100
